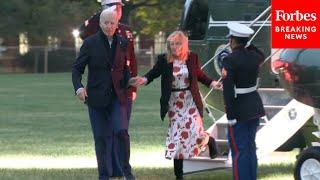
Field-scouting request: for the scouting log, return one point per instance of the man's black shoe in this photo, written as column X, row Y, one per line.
column 130, row 177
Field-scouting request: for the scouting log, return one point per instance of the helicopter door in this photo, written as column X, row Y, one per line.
column 195, row 23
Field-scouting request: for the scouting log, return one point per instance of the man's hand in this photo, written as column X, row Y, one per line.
column 82, row 94
column 216, row 85
column 232, row 122
column 137, row 81
column 134, row 96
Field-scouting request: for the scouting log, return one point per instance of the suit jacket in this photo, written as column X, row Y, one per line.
column 92, row 26
column 242, row 68
column 106, row 77
column 165, row 70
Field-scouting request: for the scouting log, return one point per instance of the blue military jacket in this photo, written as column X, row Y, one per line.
column 240, row 70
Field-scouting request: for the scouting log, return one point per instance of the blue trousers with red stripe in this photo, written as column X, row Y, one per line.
column 243, row 149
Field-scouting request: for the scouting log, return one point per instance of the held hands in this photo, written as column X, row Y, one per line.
column 82, row 94
column 137, row 81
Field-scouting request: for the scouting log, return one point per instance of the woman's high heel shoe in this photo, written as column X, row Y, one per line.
column 213, row 152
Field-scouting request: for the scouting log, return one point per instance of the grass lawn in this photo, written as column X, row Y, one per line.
column 42, row 121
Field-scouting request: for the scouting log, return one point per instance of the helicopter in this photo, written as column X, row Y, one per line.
column 289, row 84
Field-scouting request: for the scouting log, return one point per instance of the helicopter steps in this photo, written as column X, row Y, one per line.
column 284, row 117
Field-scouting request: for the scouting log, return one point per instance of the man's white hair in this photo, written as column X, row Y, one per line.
column 108, row 13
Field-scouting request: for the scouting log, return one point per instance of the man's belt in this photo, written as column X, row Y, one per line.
column 244, row 90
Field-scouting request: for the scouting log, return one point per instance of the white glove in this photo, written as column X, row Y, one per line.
column 232, row 122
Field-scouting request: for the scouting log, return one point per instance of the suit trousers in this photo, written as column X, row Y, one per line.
column 243, row 149
column 102, row 129
column 121, row 139
column 112, row 144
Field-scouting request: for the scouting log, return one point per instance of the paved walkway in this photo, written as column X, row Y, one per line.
column 152, row 159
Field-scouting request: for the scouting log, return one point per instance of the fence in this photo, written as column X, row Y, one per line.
column 146, row 57
column 38, row 59
column 42, row 59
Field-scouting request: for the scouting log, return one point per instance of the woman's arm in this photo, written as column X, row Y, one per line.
column 202, row 77
column 157, row 69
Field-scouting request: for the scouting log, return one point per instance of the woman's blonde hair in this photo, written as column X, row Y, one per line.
column 178, row 36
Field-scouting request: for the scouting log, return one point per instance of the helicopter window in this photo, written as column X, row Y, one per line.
column 196, row 19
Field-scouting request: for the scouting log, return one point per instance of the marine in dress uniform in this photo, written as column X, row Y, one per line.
column 90, row 27
column 242, row 101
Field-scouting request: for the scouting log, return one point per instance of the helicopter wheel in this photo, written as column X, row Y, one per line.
column 308, row 164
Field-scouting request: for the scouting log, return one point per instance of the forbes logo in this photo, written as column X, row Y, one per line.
column 295, row 16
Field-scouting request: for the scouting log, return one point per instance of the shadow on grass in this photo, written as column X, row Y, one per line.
column 273, row 171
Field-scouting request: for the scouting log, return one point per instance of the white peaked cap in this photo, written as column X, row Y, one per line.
column 239, row 30
column 106, row 2
column 111, row 8
column 108, row 11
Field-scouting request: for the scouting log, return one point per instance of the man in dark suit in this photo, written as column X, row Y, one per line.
column 242, row 101
column 91, row 26
column 105, row 54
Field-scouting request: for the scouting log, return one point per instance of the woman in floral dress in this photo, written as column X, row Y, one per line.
column 180, row 99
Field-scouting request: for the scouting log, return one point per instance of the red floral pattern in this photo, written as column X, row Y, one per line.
column 171, row 114
column 185, row 133
column 192, row 110
column 179, row 104
column 181, row 95
column 186, row 80
column 188, row 124
column 176, row 69
column 171, row 146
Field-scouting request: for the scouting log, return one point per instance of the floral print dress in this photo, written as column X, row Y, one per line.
column 186, row 135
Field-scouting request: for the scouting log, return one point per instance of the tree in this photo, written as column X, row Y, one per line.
column 132, row 5
column 42, row 18
column 165, row 16
column 57, row 18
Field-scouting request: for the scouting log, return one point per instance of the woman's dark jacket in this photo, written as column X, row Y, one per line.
column 165, row 70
